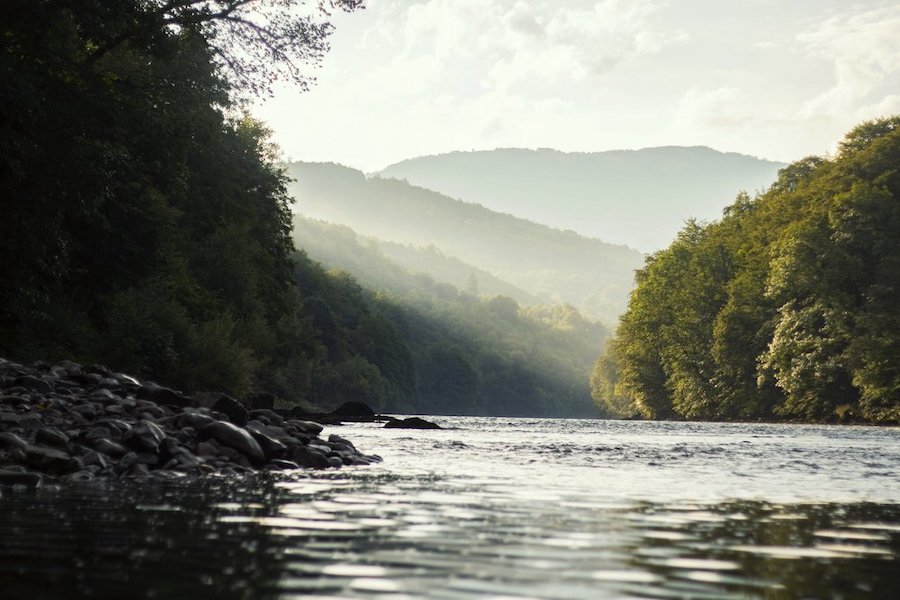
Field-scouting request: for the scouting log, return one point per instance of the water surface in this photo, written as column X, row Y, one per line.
column 492, row 508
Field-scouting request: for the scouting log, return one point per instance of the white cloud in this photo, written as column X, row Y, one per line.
column 518, row 43
column 864, row 50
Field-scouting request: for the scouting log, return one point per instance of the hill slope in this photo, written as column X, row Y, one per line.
column 556, row 266
column 636, row 197
column 411, row 344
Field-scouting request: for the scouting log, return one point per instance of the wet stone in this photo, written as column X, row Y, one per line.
column 14, row 477
column 9, row 440
column 233, row 436
column 52, row 437
column 305, row 426
column 33, row 383
column 50, row 460
column 144, row 436
column 110, row 448
column 271, row 417
column 68, row 424
column 280, row 464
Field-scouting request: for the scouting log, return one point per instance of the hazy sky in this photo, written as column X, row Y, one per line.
column 778, row 79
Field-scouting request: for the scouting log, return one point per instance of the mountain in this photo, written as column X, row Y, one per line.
column 553, row 265
column 640, row 198
column 402, row 341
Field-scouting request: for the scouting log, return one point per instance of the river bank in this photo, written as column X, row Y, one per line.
column 71, row 423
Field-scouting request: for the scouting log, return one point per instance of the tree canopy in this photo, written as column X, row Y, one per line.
column 144, row 223
column 787, row 307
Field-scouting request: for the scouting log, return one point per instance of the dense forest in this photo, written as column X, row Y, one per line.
column 787, row 307
column 633, row 197
column 422, row 345
column 556, row 266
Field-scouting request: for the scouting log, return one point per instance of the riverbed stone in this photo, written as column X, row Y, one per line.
column 110, row 448
column 9, row 440
column 229, row 434
column 309, row 427
column 71, row 424
column 144, row 436
column 52, row 437
column 50, row 460
column 411, row 423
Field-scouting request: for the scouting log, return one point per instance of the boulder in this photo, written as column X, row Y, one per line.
column 235, row 411
column 411, row 423
column 232, row 436
column 162, row 395
column 144, row 437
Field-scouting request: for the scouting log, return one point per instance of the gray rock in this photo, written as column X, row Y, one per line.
column 280, row 464
column 49, row 460
column 162, row 395
column 305, row 426
column 93, row 458
column 110, row 448
column 88, row 410
column 271, row 416
column 271, row 447
column 25, row 478
column 52, row 437
column 97, row 433
column 35, row 384
column 144, row 436
column 233, row 409
column 9, row 440
column 195, row 420
column 411, row 423
column 131, row 458
column 310, row 459
column 232, row 436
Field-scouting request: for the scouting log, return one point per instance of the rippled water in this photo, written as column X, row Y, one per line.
column 492, row 508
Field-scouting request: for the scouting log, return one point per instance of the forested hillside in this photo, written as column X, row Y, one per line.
column 556, row 266
column 389, row 266
column 635, row 197
column 420, row 345
column 787, row 307
column 144, row 224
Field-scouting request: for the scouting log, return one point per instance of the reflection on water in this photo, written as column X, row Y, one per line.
column 483, row 522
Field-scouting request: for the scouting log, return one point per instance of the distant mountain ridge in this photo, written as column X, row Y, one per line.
column 555, row 266
column 639, row 198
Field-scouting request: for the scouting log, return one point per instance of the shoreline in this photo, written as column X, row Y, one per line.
column 71, row 423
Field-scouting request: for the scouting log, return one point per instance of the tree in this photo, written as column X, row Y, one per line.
column 788, row 306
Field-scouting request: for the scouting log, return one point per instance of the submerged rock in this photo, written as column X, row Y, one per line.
column 411, row 423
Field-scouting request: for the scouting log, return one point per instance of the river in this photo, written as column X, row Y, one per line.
column 491, row 508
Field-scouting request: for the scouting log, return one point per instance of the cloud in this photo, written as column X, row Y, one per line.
column 864, row 50
column 529, row 44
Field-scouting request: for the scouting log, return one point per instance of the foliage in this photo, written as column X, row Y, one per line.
column 144, row 223
column 789, row 306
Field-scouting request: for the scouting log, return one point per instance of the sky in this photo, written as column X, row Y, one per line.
column 777, row 79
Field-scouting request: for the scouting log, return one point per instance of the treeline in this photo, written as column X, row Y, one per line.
column 143, row 224
column 419, row 345
column 786, row 308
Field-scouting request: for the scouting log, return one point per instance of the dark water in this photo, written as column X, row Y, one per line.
column 497, row 508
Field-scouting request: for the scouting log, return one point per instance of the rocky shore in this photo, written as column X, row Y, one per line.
column 72, row 423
